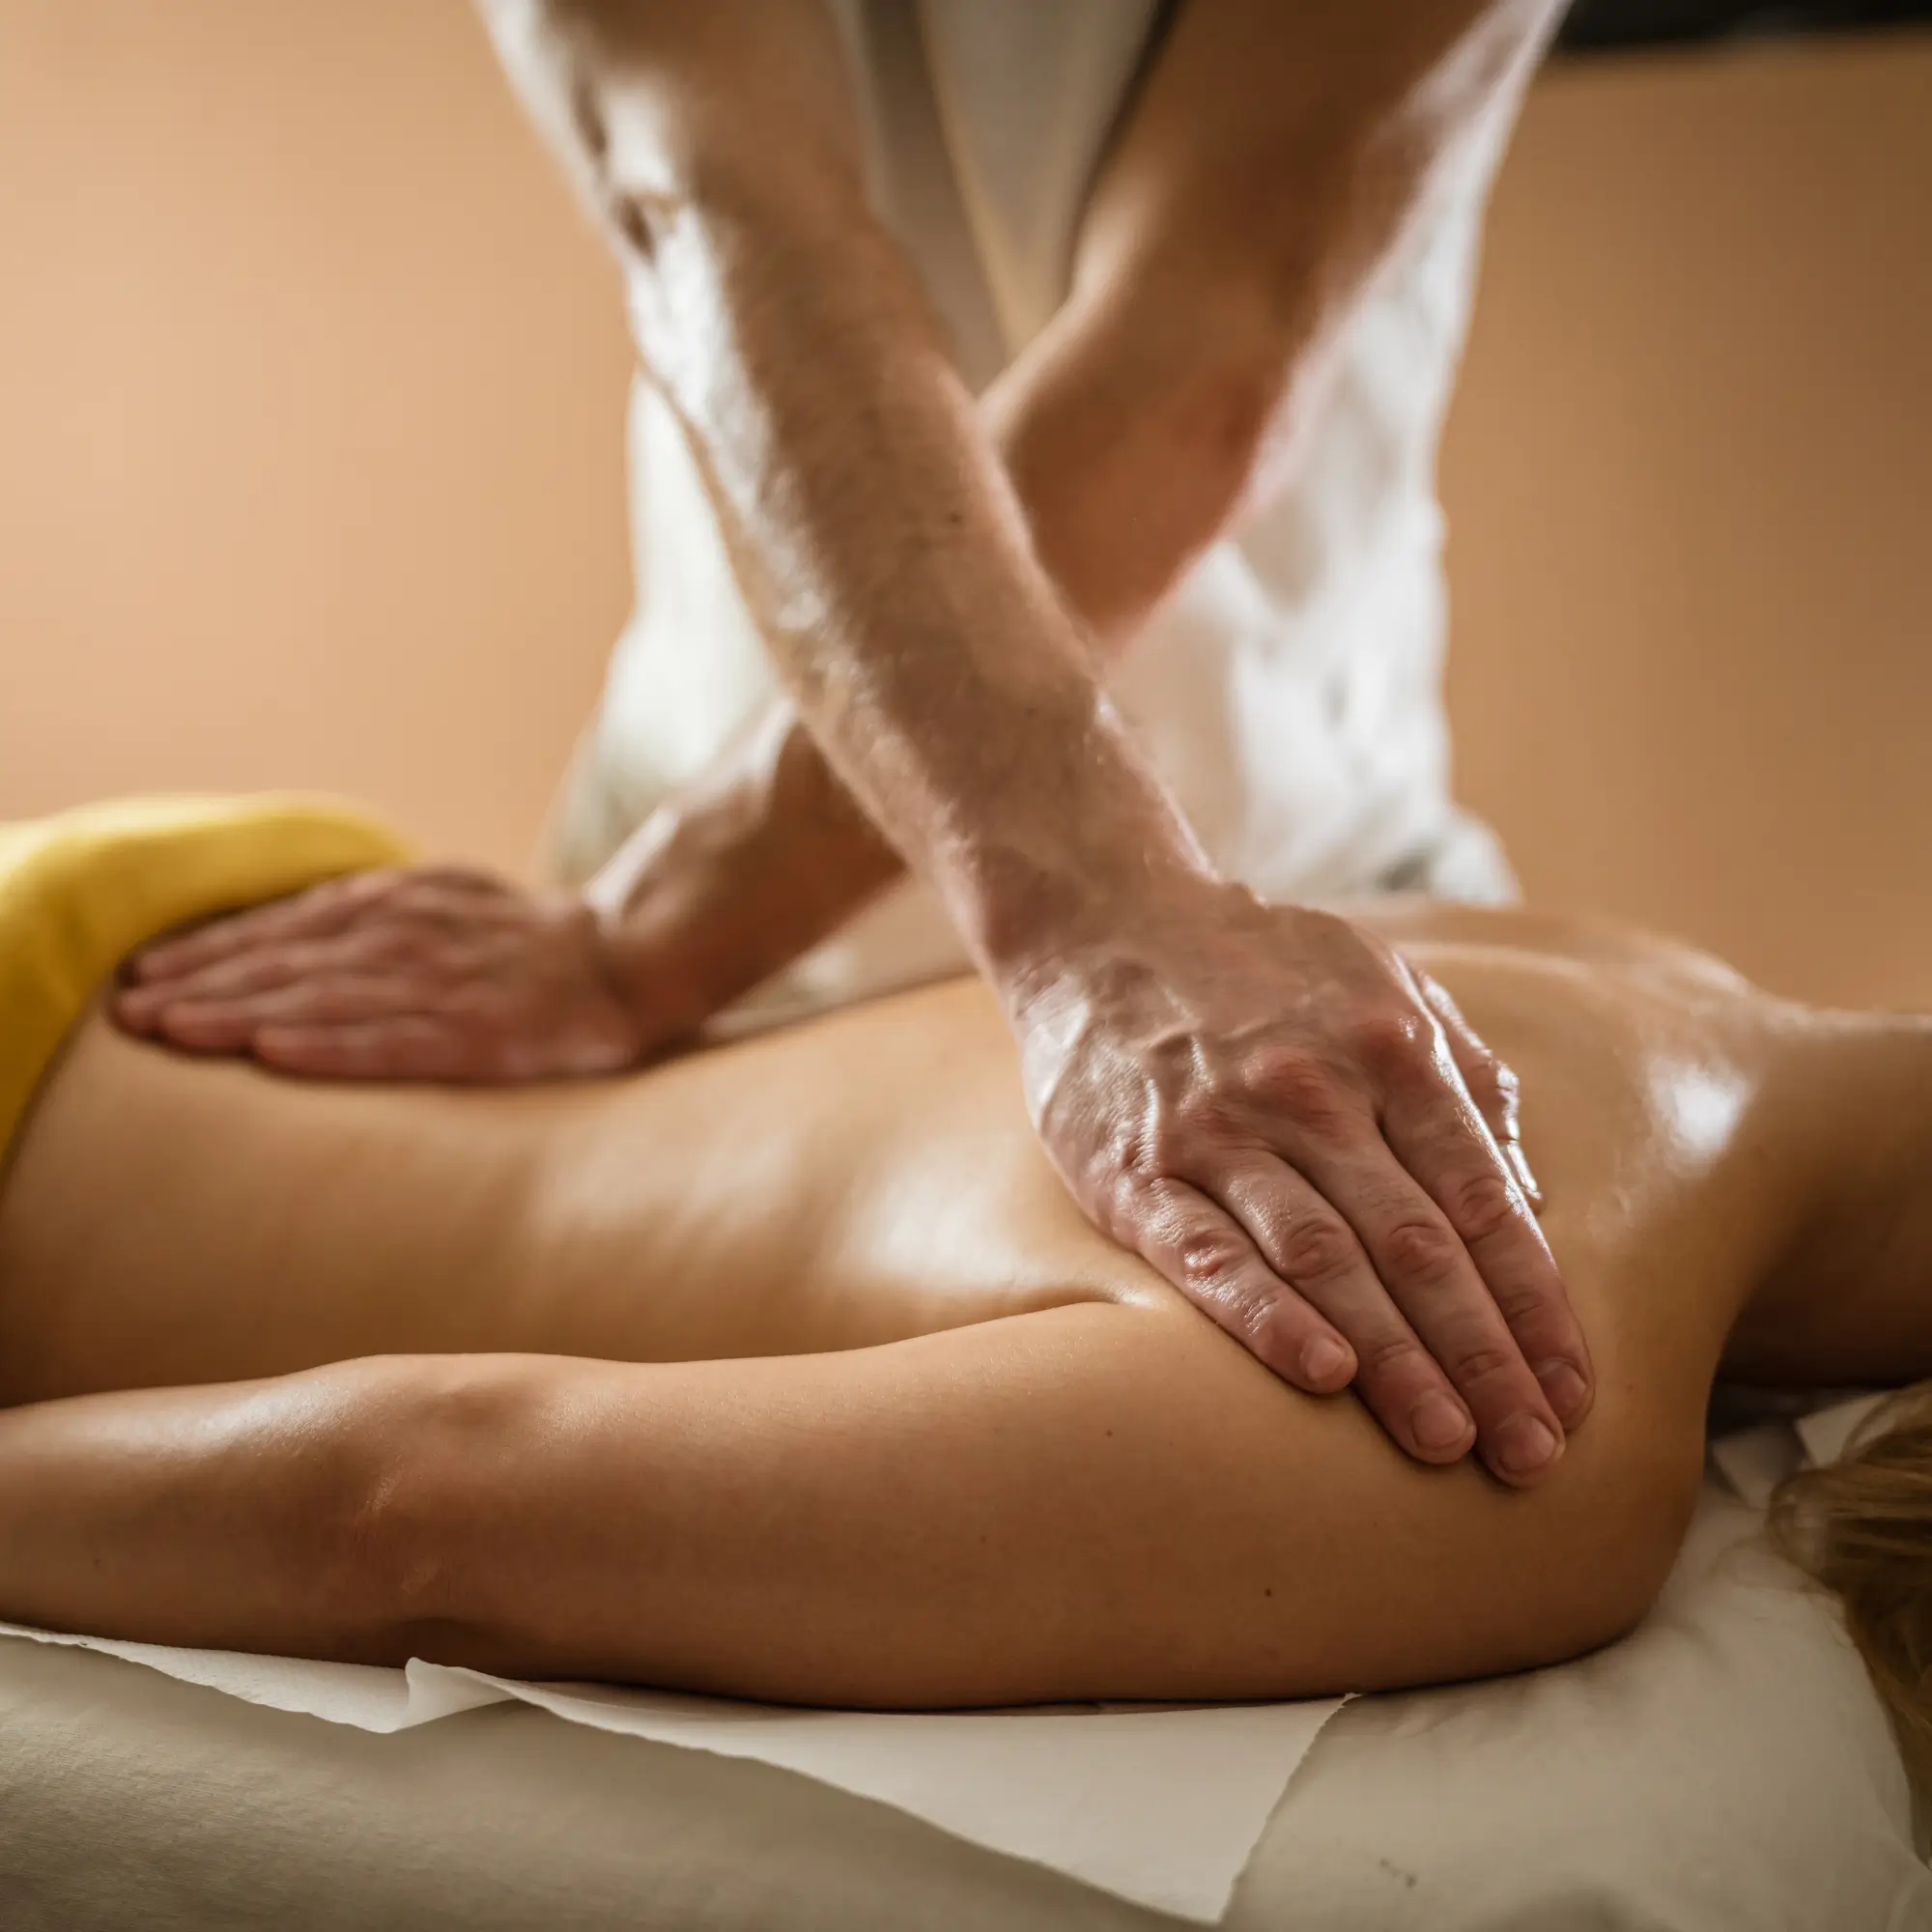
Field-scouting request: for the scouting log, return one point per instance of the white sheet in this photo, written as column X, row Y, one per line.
column 1160, row 1806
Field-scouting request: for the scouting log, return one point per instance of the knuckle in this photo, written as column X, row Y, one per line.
column 1532, row 1312
column 422, row 901
column 1482, row 1204
column 1304, row 1089
column 357, row 894
column 1315, row 1248
column 1480, row 1363
column 1422, row 1250
column 1217, row 1277
column 1395, row 1040
column 1249, row 1310
column 1393, row 1357
column 1489, row 1082
column 1209, row 1255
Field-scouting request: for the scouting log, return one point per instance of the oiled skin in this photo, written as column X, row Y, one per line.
column 858, row 1180
column 869, row 1178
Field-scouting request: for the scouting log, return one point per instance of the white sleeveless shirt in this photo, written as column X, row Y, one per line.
column 1288, row 691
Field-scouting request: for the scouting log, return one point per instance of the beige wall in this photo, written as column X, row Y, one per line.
column 311, row 387
column 1690, row 479
column 310, row 457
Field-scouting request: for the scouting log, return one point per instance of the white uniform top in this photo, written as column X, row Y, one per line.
column 1289, row 691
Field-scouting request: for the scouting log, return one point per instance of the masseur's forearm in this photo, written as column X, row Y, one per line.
column 738, row 875
column 870, row 520
column 1134, row 430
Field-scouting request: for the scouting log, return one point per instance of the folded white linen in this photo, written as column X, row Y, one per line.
column 1159, row 1805
column 1753, row 1461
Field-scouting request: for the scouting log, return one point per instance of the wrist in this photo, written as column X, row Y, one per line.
column 1089, row 844
column 1108, row 933
column 722, row 889
column 634, row 926
column 656, row 963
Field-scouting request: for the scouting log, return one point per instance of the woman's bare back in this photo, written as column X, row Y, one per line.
column 855, row 1179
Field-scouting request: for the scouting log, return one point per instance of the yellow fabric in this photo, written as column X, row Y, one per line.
column 78, row 891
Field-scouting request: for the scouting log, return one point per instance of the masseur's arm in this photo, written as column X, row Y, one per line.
column 869, row 1528
column 1260, row 1100
column 1234, row 224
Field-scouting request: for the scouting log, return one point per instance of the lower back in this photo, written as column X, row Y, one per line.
column 168, row 1220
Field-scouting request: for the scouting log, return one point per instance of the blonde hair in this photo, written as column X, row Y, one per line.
column 1862, row 1528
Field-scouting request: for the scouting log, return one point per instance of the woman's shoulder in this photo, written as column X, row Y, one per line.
column 1553, row 937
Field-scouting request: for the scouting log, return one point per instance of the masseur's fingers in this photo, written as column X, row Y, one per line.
column 1493, row 1086
column 329, row 908
column 1310, row 1247
column 1259, row 1053
column 433, row 974
column 239, row 987
column 437, row 900
column 1481, row 1218
column 231, row 1026
column 1195, row 1243
column 406, row 1047
column 1428, row 1277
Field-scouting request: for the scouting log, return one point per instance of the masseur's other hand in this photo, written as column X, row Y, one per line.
column 419, row 975
column 1307, row 1139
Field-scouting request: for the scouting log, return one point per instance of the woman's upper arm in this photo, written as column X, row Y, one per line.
column 1096, row 1500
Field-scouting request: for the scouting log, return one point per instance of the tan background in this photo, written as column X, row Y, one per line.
column 310, row 457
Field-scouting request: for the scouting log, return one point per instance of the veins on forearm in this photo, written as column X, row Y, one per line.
column 877, row 540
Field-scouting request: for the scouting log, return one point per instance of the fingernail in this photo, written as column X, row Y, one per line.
column 1524, row 1444
column 1324, row 1361
column 1438, row 1423
column 1567, row 1390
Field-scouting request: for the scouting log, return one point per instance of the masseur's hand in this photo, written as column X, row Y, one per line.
column 452, row 975
column 1285, row 1121
column 416, row 975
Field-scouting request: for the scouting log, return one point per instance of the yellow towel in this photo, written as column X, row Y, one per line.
column 81, row 890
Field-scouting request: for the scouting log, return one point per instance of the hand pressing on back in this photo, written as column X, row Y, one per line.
column 1307, row 1139
column 443, row 972
column 425, row 973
